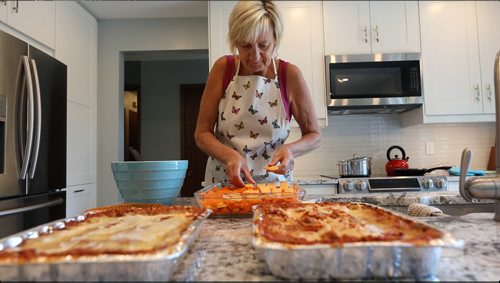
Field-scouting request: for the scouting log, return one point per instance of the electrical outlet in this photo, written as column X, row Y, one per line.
column 429, row 148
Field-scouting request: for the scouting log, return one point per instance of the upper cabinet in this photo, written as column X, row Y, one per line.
column 364, row 27
column 488, row 23
column 36, row 19
column 459, row 43
column 302, row 43
column 3, row 11
column 76, row 45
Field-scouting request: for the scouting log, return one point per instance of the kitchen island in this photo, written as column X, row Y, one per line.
column 224, row 251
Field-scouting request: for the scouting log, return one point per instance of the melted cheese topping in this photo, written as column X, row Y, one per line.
column 131, row 232
column 337, row 223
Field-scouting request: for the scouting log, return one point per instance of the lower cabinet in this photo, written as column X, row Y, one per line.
column 80, row 198
column 313, row 190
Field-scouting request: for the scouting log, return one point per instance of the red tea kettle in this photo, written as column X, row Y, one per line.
column 396, row 163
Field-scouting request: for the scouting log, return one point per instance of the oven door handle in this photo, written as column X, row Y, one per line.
column 31, row 207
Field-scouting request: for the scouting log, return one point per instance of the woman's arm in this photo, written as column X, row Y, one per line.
column 303, row 111
column 204, row 133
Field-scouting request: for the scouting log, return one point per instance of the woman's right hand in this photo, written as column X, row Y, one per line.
column 236, row 165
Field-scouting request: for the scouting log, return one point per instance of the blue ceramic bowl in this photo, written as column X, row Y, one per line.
column 149, row 181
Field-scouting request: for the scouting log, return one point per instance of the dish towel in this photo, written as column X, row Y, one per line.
column 421, row 210
column 455, row 171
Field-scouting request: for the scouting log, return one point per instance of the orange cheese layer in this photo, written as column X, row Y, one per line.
column 338, row 223
column 232, row 200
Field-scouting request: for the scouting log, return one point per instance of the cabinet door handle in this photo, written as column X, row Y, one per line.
column 477, row 94
column 365, row 30
column 15, row 7
column 79, row 191
column 490, row 94
column 377, row 35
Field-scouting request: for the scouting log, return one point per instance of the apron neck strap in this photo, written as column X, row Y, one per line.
column 274, row 69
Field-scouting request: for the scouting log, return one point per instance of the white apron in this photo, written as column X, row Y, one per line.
column 252, row 120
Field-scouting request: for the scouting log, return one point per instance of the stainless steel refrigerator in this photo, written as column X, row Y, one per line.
column 32, row 136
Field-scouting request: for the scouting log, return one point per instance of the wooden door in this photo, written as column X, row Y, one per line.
column 190, row 106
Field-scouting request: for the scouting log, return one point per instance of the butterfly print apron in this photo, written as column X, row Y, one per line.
column 253, row 121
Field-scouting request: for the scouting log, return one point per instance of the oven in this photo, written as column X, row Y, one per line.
column 368, row 185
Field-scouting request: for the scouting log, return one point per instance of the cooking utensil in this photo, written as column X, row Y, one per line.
column 396, row 163
column 418, row 172
column 355, row 167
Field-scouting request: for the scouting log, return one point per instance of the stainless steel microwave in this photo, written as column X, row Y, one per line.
column 373, row 83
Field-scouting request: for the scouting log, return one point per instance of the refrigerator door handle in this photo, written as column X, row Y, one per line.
column 30, row 114
column 38, row 119
column 24, row 137
column 31, row 207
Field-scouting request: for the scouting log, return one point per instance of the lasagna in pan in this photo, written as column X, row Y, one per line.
column 127, row 229
column 336, row 224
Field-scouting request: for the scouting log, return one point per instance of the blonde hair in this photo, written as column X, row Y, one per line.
column 250, row 19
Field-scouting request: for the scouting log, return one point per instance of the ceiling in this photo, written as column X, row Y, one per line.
column 107, row 10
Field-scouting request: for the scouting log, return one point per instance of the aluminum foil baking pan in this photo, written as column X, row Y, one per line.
column 362, row 260
column 147, row 267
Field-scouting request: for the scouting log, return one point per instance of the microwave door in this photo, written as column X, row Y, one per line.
column 11, row 52
column 365, row 80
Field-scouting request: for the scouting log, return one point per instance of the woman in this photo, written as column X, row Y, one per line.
column 249, row 99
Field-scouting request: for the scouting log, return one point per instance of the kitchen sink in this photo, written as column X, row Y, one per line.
column 453, row 209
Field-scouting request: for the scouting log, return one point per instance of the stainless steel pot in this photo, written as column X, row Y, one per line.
column 355, row 167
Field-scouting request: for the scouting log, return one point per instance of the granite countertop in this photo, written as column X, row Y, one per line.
column 223, row 250
column 315, row 180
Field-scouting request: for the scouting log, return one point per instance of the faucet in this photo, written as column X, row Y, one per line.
column 487, row 187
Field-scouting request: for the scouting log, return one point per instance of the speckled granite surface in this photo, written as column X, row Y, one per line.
column 403, row 198
column 223, row 250
column 315, row 180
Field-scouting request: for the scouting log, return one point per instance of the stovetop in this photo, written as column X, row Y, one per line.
column 427, row 183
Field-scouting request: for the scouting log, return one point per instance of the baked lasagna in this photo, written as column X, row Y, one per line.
column 336, row 224
column 127, row 229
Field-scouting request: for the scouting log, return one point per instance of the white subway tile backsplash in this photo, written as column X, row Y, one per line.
column 372, row 135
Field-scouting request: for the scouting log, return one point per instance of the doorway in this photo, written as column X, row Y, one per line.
column 190, row 106
column 132, row 123
column 169, row 85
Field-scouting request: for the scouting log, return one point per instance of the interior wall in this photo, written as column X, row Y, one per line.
column 114, row 38
column 372, row 135
column 344, row 136
column 160, row 109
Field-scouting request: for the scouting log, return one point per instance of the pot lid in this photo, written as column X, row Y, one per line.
column 355, row 157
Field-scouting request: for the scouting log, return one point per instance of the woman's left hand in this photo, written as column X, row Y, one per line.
column 283, row 159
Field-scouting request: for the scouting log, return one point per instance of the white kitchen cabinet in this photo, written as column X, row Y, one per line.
column 80, row 198
column 301, row 43
column 3, row 11
column 318, row 190
column 36, row 19
column 459, row 43
column 81, row 159
column 76, row 46
column 365, row 27
column 488, row 23
column 218, row 18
